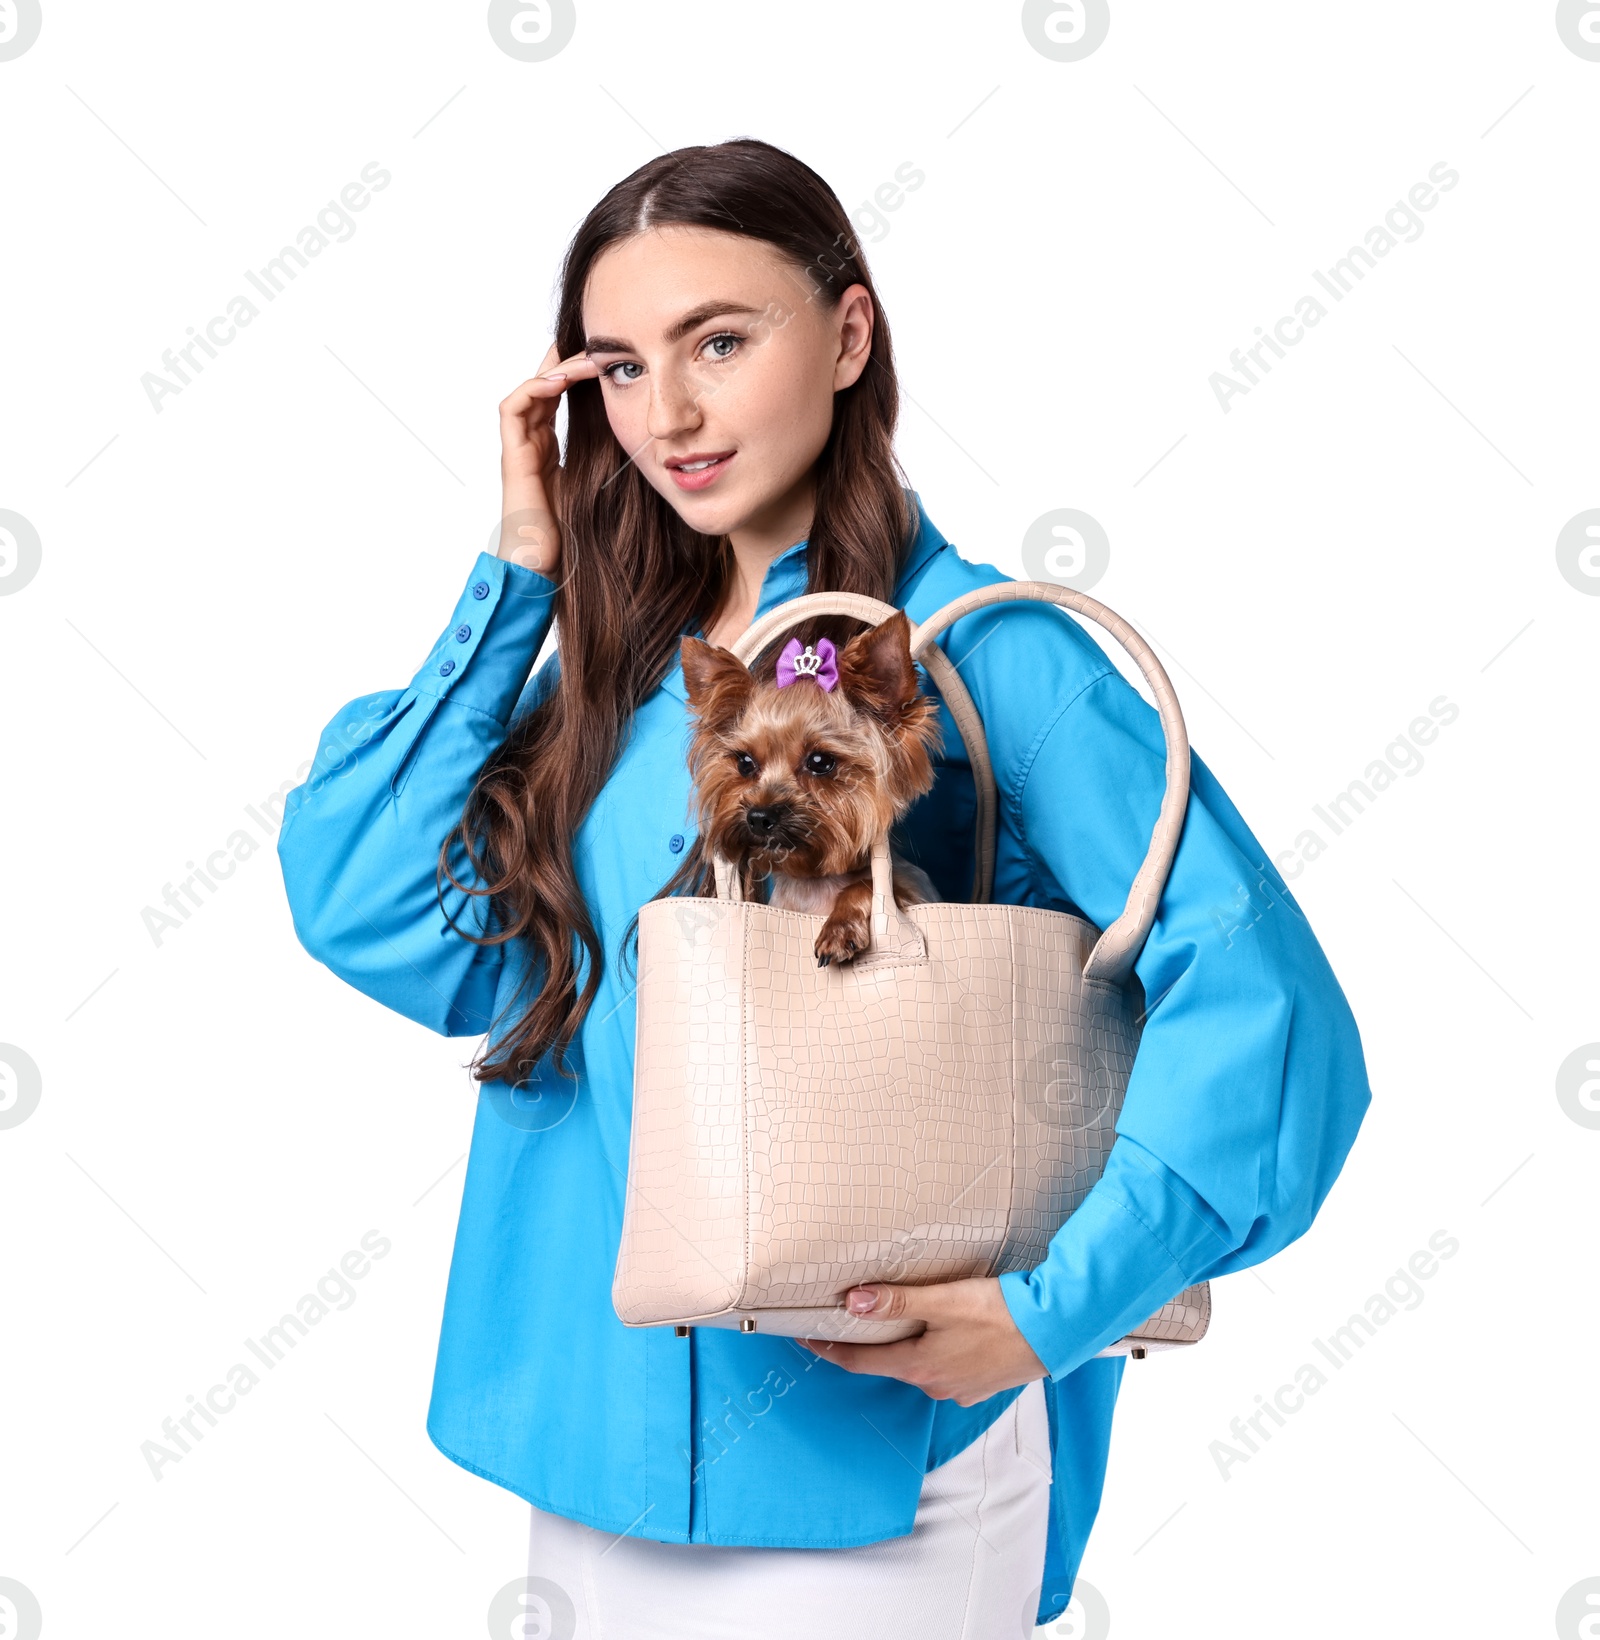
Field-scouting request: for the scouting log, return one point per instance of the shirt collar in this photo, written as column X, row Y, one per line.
column 786, row 578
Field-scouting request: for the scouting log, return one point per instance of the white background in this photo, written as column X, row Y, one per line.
column 1371, row 527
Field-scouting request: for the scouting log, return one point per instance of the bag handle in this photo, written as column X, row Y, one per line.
column 1118, row 947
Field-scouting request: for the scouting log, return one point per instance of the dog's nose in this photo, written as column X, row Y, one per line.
column 761, row 820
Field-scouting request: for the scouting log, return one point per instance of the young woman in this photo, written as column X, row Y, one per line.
column 471, row 850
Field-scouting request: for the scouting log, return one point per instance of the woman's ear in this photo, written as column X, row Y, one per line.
column 854, row 317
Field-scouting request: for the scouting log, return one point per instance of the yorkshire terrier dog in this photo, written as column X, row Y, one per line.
column 796, row 775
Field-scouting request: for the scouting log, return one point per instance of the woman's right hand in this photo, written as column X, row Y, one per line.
column 530, row 464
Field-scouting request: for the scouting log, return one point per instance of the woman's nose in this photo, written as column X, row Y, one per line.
column 674, row 406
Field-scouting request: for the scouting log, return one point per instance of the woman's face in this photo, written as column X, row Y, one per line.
column 718, row 370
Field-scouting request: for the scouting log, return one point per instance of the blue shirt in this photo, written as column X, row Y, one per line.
column 1245, row 1097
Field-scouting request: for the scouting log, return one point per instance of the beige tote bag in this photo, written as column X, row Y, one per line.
column 934, row 1109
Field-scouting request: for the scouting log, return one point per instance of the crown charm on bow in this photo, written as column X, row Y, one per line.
column 820, row 663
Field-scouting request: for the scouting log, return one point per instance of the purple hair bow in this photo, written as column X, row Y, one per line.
column 820, row 663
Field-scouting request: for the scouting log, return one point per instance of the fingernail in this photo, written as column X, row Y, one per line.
column 861, row 1300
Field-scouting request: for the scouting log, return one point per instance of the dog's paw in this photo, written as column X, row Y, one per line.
column 842, row 939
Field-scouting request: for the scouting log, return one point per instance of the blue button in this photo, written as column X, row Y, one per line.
column 447, row 668
column 675, row 842
column 481, row 590
column 463, row 633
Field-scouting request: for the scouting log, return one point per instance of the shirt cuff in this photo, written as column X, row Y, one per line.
column 483, row 658
column 1135, row 1242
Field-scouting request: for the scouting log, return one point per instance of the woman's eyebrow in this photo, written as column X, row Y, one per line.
column 674, row 332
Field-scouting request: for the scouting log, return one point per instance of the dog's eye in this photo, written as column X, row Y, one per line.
column 819, row 763
column 745, row 764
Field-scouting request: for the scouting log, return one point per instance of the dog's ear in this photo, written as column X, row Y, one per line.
column 876, row 671
column 718, row 683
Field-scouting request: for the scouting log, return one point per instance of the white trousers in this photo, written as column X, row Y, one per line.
column 969, row 1569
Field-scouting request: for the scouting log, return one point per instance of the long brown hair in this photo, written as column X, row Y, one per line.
column 635, row 577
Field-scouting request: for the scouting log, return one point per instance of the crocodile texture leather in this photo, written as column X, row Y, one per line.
column 933, row 1110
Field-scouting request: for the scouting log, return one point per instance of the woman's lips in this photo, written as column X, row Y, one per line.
column 695, row 472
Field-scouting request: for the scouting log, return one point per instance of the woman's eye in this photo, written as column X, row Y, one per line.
column 715, row 348
column 819, row 762
column 745, row 764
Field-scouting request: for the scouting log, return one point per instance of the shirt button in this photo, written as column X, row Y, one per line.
column 481, row 590
column 446, row 668
column 675, row 842
column 463, row 633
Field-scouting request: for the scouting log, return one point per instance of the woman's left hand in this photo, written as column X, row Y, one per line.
column 971, row 1349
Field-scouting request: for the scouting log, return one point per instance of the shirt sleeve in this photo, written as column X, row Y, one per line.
column 360, row 841
column 1249, row 1082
